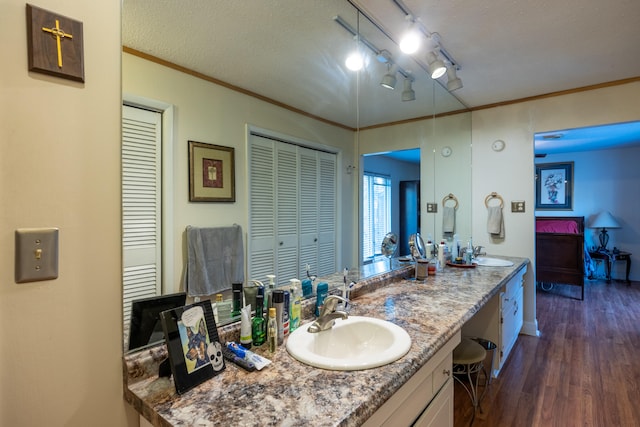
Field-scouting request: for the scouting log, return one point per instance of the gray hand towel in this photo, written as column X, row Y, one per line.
column 448, row 219
column 495, row 221
column 215, row 259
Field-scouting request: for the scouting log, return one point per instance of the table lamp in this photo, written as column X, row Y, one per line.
column 604, row 220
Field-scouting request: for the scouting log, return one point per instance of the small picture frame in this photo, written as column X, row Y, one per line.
column 195, row 351
column 554, row 186
column 211, row 173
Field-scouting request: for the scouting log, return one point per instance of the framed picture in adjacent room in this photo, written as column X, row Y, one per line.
column 554, row 186
column 211, row 173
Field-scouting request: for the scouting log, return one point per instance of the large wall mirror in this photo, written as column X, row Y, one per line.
column 292, row 55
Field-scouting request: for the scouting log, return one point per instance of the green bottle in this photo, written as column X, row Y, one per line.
column 258, row 329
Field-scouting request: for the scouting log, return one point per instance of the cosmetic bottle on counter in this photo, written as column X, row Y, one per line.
column 307, row 288
column 246, row 338
column 296, row 302
column 269, row 290
column 236, row 289
column 323, row 291
column 272, row 330
column 277, row 297
column 223, row 308
column 258, row 325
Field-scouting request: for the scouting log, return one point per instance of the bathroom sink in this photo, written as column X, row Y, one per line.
column 492, row 262
column 352, row 344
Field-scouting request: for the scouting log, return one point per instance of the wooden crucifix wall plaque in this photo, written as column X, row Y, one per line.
column 55, row 44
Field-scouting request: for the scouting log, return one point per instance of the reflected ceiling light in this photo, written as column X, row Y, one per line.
column 453, row 81
column 410, row 41
column 436, row 66
column 408, row 94
column 389, row 79
column 355, row 61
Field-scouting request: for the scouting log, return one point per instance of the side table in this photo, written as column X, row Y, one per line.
column 610, row 257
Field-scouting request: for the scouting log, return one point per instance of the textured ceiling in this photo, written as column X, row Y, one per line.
column 292, row 51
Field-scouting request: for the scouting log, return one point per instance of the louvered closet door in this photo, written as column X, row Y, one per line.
column 141, row 190
column 286, row 212
column 308, row 211
column 327, row 214
column 262, row 208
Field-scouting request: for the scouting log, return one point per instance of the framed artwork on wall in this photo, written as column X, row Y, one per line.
column 211, row 173
column 554, row 186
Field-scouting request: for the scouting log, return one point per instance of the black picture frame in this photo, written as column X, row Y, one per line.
column 195, row 351
column 554, row 186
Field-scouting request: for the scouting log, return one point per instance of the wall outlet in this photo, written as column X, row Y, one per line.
column 517, row 206
column 432, row 207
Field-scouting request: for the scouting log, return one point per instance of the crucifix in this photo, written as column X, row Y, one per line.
column 45, row 56
column 59, row 35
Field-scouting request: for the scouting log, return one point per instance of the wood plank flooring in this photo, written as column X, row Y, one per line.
column 584, row 369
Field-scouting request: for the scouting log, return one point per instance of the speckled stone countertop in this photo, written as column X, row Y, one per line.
column 289, row 393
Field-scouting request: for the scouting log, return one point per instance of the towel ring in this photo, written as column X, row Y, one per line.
column 494, row 195
column 450, row 197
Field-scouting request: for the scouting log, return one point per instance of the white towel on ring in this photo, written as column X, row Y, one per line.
column 495, row 221
column 448, row 219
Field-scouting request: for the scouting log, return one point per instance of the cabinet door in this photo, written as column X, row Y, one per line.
column 308, row 205
column 439, row 413
column 287, row 233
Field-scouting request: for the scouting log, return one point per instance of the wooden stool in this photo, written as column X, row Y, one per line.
column 467, row 360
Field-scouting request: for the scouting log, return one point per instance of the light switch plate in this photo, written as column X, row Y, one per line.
column 36, row 254
column 432, row 207
column 517, row 206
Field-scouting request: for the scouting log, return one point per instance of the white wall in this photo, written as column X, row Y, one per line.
column 511, row 171
column 606, row 180
column 61, row 340
column 206, row 112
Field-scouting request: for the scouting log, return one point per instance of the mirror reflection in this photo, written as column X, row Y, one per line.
column 253, row 84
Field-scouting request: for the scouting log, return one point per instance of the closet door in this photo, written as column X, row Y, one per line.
column 327, row 214
column 286, row 212
column 141, row 205
column 262, row 218
column 309, row 211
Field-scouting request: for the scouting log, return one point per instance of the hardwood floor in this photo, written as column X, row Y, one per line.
column 584, row 369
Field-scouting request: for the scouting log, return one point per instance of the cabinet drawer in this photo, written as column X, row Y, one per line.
column 442, row 373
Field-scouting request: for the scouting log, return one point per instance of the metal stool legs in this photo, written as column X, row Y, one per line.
column 468, row 359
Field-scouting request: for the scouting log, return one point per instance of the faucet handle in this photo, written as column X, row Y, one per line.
column 331, row 302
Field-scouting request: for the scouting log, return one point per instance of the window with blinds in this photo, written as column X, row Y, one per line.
column 376, row 215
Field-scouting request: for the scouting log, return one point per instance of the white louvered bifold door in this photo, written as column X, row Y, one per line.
column 327, row 214
column 141, row 190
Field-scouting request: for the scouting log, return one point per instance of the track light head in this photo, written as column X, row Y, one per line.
column 389, row 79
column 453, row 81
column 408, row 94
column 436, row 66
column 411, row 39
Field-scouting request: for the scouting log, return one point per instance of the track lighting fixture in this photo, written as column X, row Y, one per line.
column 453, row 81
column 408, row 94
column 354, row 61
column 436, row 66
column 389, row 79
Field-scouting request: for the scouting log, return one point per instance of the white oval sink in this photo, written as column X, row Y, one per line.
column 492, row 262
column 352, row 344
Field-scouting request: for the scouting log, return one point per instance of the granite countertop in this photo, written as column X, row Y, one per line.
column 288, row 393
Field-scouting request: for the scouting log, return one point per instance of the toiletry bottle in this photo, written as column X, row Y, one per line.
column 224, row 309
column 269, row 290
column 307, row 288
column 277, row 297
column 237, row 299
column 245, row 327
column 250, row 292
column 258, row 325
column 272, row 330
column 323, row 290
column 441, row 253
column 296, row 302
column 286, row 310
column 428, row 252
column 469, row 253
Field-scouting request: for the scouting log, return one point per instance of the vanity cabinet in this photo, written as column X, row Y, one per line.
column 426, row 399
column 500, row 320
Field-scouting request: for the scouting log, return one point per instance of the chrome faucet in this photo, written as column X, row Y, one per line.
column 329, row 314
column 477, row 251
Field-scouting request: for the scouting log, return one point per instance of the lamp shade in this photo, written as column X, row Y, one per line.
column 604, row 220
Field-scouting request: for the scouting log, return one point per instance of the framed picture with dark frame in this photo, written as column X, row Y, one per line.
column 554, row 186
column 211, row 173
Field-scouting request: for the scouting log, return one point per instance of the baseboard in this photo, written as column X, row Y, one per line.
column 530, row 328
